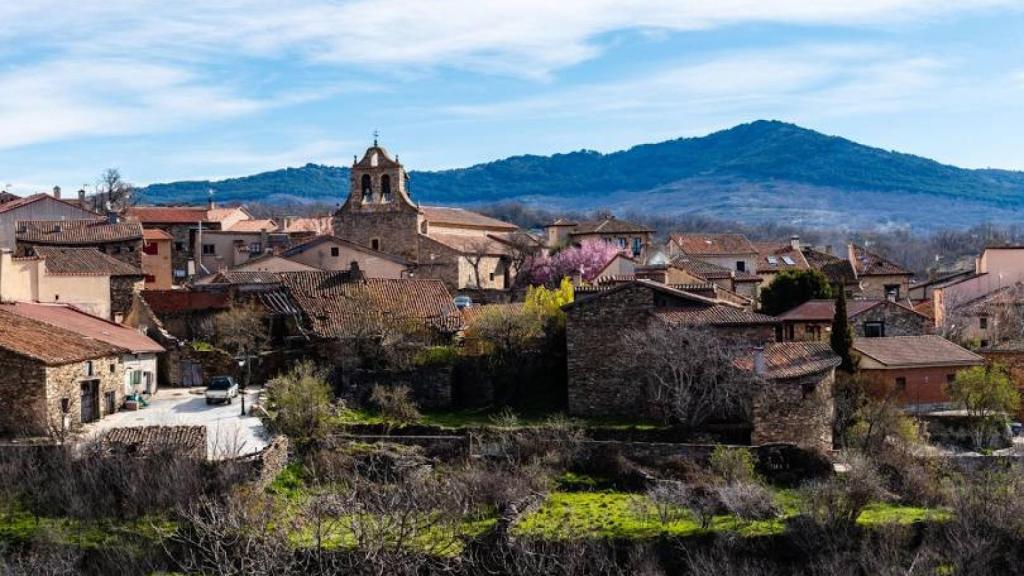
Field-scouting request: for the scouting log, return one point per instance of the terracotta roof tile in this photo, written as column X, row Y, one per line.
column 176, row 301
column 85, row 324
column 716, row 315
column 76, row 232
column 868, row 263
column 167, row 214
column 336, row 307
column 709, row 271
column 156, row 234
column 785, row 360
column 49, row 344
column 911, row 351
column 264, row 225
column 486, row 245
column 608, row 226
column 318, row 240
column 316, row 225
column 837, row 270
column 15, row 204
column 821, row 310
column 63, row 261
column 713, row 244
column 143, row 440
column 460, row 217
column 778, row 256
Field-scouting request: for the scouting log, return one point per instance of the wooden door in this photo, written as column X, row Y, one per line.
column 90, row 400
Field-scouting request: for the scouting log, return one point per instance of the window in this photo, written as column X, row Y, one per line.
column 901, row 384
column 773, row 260
column 892, row 291
column 741, row 266
column 790, row 332
column 334, row 251
column 366, row 188
column 814, row 333
column 492, row 276
column 638, row 246
column 115, row 249
column 385, row 188
column 150, row 278
column 88, row 368
column 789, row 261
column 151, row 248
column 983, row 322
column 950, row 378
column 179, row 273
column 255, row 247
column 984, row 343
column 874, row 329
column 621, row 242
column 179, row 246
column 209, row 250
column 375, row 243
column 113, row 368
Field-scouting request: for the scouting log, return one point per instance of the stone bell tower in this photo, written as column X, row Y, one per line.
column 378, row 212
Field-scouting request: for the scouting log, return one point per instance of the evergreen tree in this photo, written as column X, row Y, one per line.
column 842, row 335
column 792, row 288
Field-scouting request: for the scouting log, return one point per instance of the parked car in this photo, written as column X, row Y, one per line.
column 221, row 389
column 462, row 302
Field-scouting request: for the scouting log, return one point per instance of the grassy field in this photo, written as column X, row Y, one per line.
column 567, row 515
column 456, row 419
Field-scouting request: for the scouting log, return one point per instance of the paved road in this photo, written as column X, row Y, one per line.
column 227, row 432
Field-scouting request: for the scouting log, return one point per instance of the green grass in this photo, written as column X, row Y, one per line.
column 485, row 417
column 21, row 526
column 569, row 515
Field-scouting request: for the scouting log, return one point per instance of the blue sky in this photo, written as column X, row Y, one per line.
column 188, row 89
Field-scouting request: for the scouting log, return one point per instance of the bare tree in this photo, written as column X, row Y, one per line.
column 477, row 251
column 113, row 192
column 242, row 330
column 690, row 374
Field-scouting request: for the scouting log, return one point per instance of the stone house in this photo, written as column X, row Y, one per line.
column 302, row 229
column 121, row 240
column 55, row 379
column 273, row 263
column 335, row 254
column 37, row 207
column 596, row 323
column 634, row 239
column 877, row 276
column 959, row 305
column 156, row 259
column 838, row 271
column 913, row 369
column 812, row 320
column 796, row 405
column 992, row 319
column 745, row 284
column 140, row 358
column 464, row 249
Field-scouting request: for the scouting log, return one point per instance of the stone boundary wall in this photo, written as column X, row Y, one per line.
column 265, row 465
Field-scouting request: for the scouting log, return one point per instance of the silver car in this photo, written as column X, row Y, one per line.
column 221, row 389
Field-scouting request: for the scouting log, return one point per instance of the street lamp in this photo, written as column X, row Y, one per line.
column 241, row 362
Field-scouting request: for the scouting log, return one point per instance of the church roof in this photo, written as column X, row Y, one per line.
column 460, row 217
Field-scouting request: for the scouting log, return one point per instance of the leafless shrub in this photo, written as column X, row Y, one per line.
column 670, row 501
column 748, row 500
column 395, row 404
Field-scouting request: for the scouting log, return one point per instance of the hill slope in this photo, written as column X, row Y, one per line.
column 759, row 171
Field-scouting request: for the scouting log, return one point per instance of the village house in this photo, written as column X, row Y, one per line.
column 812, row 320
column 914, row 369
column 300, row 229
column 775, row 257
column 156, row 259
column 878, row 277
column 634, row 239
column 730, row 251
column 139, row 361
column 37, row 207
column 923, row 290
column 838, row 271
column 121, row 240
column 746, row 284
column 797, row 404
column 335, row 254
column 186, row 225
column 464, row 249
column 271, row 263
column 960, row 307
column 992, row 319
column 55, row 379
column 596, row 323
column 84, row 277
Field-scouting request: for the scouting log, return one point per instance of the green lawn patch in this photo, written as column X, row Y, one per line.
column 486, row 417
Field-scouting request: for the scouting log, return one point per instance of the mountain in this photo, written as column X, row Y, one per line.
column 761, row 171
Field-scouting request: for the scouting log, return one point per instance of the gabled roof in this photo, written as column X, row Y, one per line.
column 264, row 225
column 1012, row 294
column 915, row 351
column 943, row 278
column 220, row 214
column 608, row 226
column 20, row 202
column 245, row 277
column 718, row 314
column 337, row 307
column 167, row 214
column 85, row 324
column 709, row 271
column 177, row 301
column 154, row 234
column 713, row 244
column 868, row 263
column 327, row 238
column 656, row 286
column 64, row 261
column 786, row 360
column 488, row 245
column 777, row 256
column 825, row 310
column 49, row 344
column 316, row 225
column 76, row 232
column 837, row 270
column 153, row 440
column 460, row 217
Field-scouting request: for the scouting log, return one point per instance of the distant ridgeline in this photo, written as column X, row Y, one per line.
column 755, row 172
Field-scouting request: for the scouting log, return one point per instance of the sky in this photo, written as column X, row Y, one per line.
column 211, row 89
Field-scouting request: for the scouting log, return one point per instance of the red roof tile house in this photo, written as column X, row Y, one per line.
column 812, row 320
column 730, row 251
column 121, row 240
column 877, row 276
column 916, row 369
column 631, row 237
column 745, row 284
column 775, row 257
column 55, row 379
column 596, row 323
column 37, row 207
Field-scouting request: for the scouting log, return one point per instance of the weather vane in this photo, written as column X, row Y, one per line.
column 375, row 135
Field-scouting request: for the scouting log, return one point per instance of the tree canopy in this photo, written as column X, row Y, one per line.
column 791, row 288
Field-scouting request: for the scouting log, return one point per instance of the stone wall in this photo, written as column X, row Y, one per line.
column 395, row 229
column 22, row 395
column 122, row 294
column 873, row 287
column 431, row 385
column 65, row 381
column 899, row 321
column 797, row 411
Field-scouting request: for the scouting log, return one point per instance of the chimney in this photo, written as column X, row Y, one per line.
column 760, row 364
column 210, row 204
column 81, row 197
column 794, row 241
column 56, row 192
column 354, row 272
